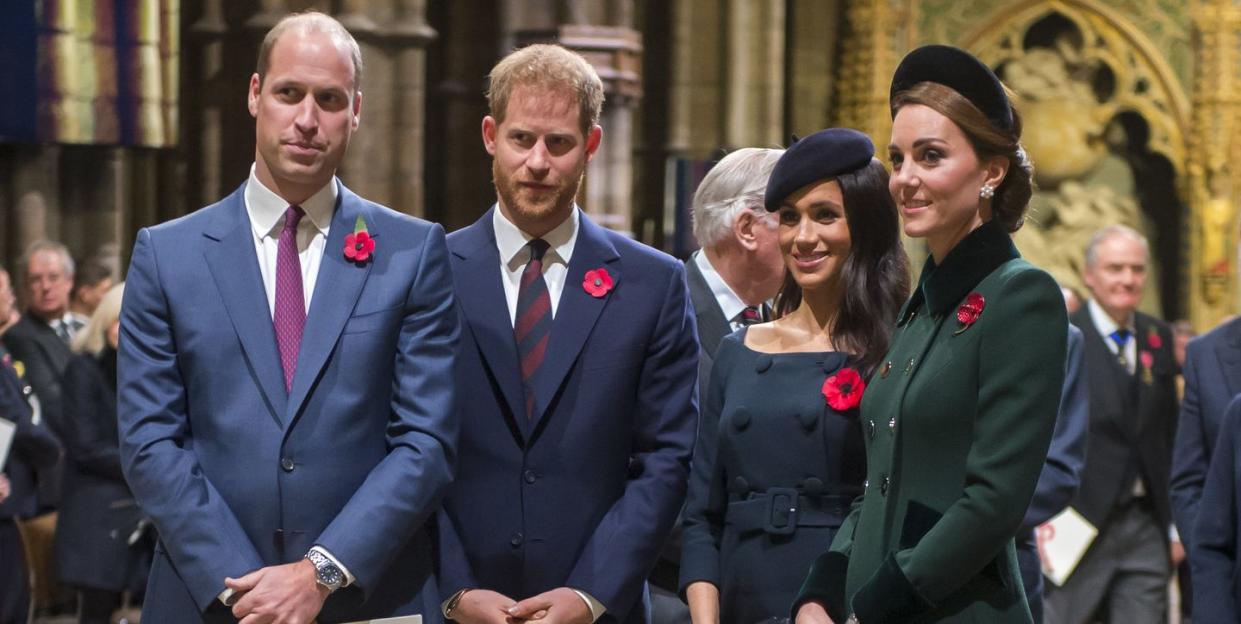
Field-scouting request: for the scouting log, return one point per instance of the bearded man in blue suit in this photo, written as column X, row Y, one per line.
column 285, row 387
column 577, row 374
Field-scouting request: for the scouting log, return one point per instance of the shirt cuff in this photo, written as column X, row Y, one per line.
column 1173, row 534
column 227, row 597
column 596, row 608
column 323, row 551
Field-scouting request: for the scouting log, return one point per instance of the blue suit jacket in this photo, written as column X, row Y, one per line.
column 1213, row 556
column 239, row 474
column 1212, row 377
column 583, row 494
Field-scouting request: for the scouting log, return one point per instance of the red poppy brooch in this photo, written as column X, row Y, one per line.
column 969, row 311
column 597, row 282
column 359, row 245
column 1153, row 339
column 843, row 390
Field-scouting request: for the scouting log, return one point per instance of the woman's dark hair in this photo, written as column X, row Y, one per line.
column 1008, row 206
column 875, row 275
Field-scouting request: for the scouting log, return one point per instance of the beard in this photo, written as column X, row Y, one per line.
column 532, row 207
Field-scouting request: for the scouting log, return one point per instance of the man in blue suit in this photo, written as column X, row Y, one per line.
column 1214, row 557
column 286, row 358
column 577, row 375
column 1212, row 375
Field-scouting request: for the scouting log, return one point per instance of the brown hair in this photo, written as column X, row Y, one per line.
column 549, row 68
column 1012, row 197
column 305, row 22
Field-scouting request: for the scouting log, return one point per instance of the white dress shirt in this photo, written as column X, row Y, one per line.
column 1106, row 326
column 514, row 255
column 730, row 304
column 266, row 212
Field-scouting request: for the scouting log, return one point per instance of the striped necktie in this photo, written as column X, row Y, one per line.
column 532, row 324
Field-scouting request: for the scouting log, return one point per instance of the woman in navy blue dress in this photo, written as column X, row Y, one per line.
column 779, row 456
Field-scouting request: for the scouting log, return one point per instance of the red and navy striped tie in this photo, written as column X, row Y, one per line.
column 533, row 322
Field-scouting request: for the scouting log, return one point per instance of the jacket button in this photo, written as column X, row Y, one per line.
column 516, row 540
column 529, row 476
column 909, row 366
column 287, row 464
column 892, row 424
column 883, row 487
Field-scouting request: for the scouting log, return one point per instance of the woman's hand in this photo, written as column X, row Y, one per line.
column 704, row 602
column 813, row 613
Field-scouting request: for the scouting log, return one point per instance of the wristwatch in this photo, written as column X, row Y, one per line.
column 327, row 573
column 450, row 605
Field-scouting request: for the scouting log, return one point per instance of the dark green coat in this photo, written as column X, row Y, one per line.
column 957, row 428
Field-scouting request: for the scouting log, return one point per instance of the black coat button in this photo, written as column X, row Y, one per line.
column 529, row 476
column 287, row 464
column 808, row 420
column 517, row 539
column 741, row 419
column 762, row 363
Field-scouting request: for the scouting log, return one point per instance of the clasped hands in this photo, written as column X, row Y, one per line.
column 282, row 594
column 558, row 606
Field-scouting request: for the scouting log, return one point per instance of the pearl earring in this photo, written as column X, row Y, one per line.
column 986, row 192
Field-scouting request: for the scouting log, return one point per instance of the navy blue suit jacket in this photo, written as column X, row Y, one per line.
column 583, row 494
column 1217, row 532
column 239, row 474
column 1212, row 377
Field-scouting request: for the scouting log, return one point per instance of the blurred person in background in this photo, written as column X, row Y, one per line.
column 91, row 281
column 102, row 547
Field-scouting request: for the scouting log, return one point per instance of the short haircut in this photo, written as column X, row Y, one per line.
column 1111, row 231
column 47, row 245
column 90, row 273
column 550, row 68
column 308, row 22
column 734, row 184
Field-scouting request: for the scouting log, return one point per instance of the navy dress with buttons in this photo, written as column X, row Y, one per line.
column 774, row 472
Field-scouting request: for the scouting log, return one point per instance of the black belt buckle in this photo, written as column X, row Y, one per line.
column 781, row 511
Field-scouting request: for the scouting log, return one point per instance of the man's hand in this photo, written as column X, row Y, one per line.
column 558, row 606
column 5, row 488
column 283, row 594
column 813, row 613
column 1177, row 554
column 482, row 606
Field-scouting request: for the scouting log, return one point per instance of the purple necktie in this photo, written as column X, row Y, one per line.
column 290, row 317
column 533, row 324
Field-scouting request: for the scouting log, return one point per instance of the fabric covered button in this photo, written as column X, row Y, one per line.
column 812, row 485
column 740, row 485
column 741, row 419
column 762, row 363
column 808, row 420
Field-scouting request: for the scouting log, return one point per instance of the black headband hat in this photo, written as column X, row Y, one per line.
column 960, row 71
column 823, row 155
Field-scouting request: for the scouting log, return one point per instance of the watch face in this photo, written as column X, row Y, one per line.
column 330, row 575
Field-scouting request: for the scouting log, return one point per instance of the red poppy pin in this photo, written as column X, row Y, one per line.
column 843, row 390
column 1153, row 339
column 969, row 311
column 597, row 282
column 359, row 245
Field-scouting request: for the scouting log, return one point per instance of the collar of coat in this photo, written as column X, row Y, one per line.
column 975, row 257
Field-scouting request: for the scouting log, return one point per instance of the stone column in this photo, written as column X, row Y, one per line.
column 754, row 82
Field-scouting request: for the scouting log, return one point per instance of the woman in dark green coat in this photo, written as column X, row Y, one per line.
column 959, row 416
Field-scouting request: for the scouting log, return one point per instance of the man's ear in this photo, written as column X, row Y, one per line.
column 490, row 128
column 357, row 108
column 252, row 95
column 593, row 139
column 743, row 229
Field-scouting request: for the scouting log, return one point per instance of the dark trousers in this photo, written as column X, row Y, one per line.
column 14, row 593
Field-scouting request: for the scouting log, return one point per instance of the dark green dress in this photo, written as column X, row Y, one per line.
column 958, row 421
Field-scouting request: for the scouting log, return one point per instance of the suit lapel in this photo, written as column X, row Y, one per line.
column 337, row 287
column 712, row 326
column 577, row 312
column 482, row 300
column 234, row 267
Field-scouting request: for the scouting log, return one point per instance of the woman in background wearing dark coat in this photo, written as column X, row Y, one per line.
column 779, row 452
column 100, row 548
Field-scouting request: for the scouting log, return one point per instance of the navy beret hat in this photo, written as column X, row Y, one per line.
column 960, row 71
column 820, row 156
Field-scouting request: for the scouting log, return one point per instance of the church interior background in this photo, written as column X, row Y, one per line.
column 131, row 112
